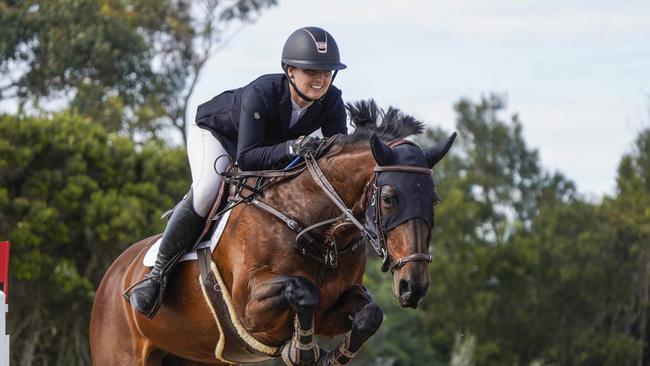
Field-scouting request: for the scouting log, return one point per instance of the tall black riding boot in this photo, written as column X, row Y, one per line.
column 182, row 232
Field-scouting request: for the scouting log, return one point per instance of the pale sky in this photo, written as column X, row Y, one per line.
column 576, row 72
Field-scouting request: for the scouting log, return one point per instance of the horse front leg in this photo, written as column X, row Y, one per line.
column 273, row 300
column 302, row 297
column 356, row 307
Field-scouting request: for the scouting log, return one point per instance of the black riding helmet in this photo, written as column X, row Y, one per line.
column 311, row 48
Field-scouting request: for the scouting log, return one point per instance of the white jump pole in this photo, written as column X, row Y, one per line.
column 4, row 338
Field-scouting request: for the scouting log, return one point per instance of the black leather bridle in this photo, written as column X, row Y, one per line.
column 375, row 235
column 326, row 253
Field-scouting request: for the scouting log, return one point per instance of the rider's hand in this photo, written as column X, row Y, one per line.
column 304, row 146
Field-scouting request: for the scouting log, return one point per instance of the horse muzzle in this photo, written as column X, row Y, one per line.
column 410, row 292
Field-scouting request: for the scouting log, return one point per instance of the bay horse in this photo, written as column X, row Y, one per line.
column 279, row 296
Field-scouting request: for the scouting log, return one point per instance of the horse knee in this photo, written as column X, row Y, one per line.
column 301, row 294
column 368, row 320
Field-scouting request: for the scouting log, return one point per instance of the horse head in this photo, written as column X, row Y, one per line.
column 399, row 216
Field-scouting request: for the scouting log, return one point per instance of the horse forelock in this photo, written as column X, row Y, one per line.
column 367, row 118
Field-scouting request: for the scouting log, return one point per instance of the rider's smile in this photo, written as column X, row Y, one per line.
column 313, row 83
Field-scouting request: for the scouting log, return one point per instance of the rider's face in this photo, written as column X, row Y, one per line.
column 312, row 83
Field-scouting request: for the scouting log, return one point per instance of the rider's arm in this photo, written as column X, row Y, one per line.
column 252, row 154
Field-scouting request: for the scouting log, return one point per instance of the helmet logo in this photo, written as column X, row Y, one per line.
column 321, row 46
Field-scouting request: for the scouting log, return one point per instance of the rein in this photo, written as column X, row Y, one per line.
column 326, row 253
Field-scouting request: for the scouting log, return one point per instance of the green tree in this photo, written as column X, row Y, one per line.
column 587, row 298
column 628, row 216
column 489, row 191
column 72, row 197
column 489, row 184
column 130, row 65
column 524, row 266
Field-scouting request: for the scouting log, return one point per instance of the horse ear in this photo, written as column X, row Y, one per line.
column 380, row 151
column 439, row 150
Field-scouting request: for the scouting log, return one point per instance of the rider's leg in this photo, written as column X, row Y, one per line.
column 206, row 156
column 188, row 219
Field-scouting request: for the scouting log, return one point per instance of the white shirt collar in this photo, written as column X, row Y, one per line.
column 296, row 107
column 296, row 112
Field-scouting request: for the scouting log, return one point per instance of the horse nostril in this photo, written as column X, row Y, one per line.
column 404, row 287
column 418, row 291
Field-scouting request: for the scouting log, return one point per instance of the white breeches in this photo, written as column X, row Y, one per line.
column 205, row 154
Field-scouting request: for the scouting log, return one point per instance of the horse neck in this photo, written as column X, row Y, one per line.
column 347, row 169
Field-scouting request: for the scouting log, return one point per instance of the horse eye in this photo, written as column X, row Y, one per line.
column 388, row 196
column 389, row 201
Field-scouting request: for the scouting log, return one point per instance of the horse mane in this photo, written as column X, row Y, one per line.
column 367, row 118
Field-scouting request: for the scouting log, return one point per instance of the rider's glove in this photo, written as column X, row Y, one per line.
column 304, row 146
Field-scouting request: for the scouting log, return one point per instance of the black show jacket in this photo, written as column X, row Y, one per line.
column 252, row 123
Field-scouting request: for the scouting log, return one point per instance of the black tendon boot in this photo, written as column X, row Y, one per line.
column 182, row 232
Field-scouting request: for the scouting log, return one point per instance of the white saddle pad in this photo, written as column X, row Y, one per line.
column 152, row 253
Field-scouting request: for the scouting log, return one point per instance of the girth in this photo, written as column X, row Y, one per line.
column 235, row 344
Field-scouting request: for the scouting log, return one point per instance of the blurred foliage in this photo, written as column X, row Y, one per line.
column 129, row 65
column 525, row 270
column 72, row 197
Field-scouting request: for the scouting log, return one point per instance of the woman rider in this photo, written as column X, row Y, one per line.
column 264, row 124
